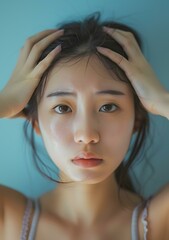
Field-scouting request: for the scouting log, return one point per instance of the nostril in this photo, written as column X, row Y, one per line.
column 92, row 141
column 86, row 137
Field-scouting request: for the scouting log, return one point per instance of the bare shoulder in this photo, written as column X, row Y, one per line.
column 12, row 207
column 158, row 215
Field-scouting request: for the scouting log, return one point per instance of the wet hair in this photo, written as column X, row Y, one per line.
column 80, row 40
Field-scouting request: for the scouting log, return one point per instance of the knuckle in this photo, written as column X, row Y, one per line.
column 128, row 42
column 29, row 41
column 130, row 34
column 43, row 64
column 37, row 47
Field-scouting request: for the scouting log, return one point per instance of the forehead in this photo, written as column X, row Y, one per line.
column 88, row 72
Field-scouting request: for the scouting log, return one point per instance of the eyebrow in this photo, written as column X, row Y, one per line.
column 65, row 93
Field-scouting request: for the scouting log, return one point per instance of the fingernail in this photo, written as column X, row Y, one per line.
column 100, row 48
column 107, row 29
column 58, row 48
column 61, row 31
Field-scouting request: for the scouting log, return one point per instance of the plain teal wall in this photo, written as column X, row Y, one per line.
column 20, row 19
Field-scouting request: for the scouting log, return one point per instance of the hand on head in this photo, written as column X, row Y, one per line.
column 27, row 73
column 148, row 88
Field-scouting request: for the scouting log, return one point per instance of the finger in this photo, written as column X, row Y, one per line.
column 30, row 42
column 44, row 64
column 39, row 47
column 25, row 51
column 122, row 62
column 126, row 40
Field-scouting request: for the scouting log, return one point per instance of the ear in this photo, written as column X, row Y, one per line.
column 36, row 128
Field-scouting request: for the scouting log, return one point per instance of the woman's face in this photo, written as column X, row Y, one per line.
column 101, row 123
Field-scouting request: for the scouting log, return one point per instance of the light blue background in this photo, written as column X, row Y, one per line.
column 20, row 19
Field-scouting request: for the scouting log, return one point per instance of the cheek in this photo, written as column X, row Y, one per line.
column 56, row 137
column 60, row 132
column 117, row 136
column 55, row 131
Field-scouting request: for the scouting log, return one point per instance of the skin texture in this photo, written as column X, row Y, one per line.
column 85, row 123
column 86, row 127
column 91, row 200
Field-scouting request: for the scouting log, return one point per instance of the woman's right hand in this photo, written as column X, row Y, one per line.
column 27, row 73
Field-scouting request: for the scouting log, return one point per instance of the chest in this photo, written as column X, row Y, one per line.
column 48, row 228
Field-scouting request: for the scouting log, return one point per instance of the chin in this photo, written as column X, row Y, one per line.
column 89, row 178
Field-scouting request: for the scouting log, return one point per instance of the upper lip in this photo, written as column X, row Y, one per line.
column 86, row 155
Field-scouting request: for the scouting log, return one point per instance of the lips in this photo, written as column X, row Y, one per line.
column 86, row 159
column 87, row 163
column 86, row 155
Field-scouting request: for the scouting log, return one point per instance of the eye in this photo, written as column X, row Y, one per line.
column 62, row 109
column 109, row 107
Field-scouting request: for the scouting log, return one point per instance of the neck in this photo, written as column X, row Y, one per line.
column 85, row 204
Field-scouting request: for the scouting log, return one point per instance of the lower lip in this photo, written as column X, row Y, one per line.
column 87, row 163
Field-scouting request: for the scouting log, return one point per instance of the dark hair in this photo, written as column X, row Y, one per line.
column 80, row 39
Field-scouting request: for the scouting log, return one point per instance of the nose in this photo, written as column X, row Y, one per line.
column 86, row 131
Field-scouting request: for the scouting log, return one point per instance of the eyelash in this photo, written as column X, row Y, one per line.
column 108, row 104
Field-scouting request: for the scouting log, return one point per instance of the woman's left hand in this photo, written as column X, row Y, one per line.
column 148, row 88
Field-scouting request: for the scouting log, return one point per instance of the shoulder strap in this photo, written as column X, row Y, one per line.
column 26, row 219
column 144, row 218
column 35, row 220
column 134, row 223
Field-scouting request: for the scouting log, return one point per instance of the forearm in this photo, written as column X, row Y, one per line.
column 4, row 112
column 1, row 105
column 165, row 106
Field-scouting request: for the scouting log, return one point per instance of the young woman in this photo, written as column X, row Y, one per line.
column 86, row 90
